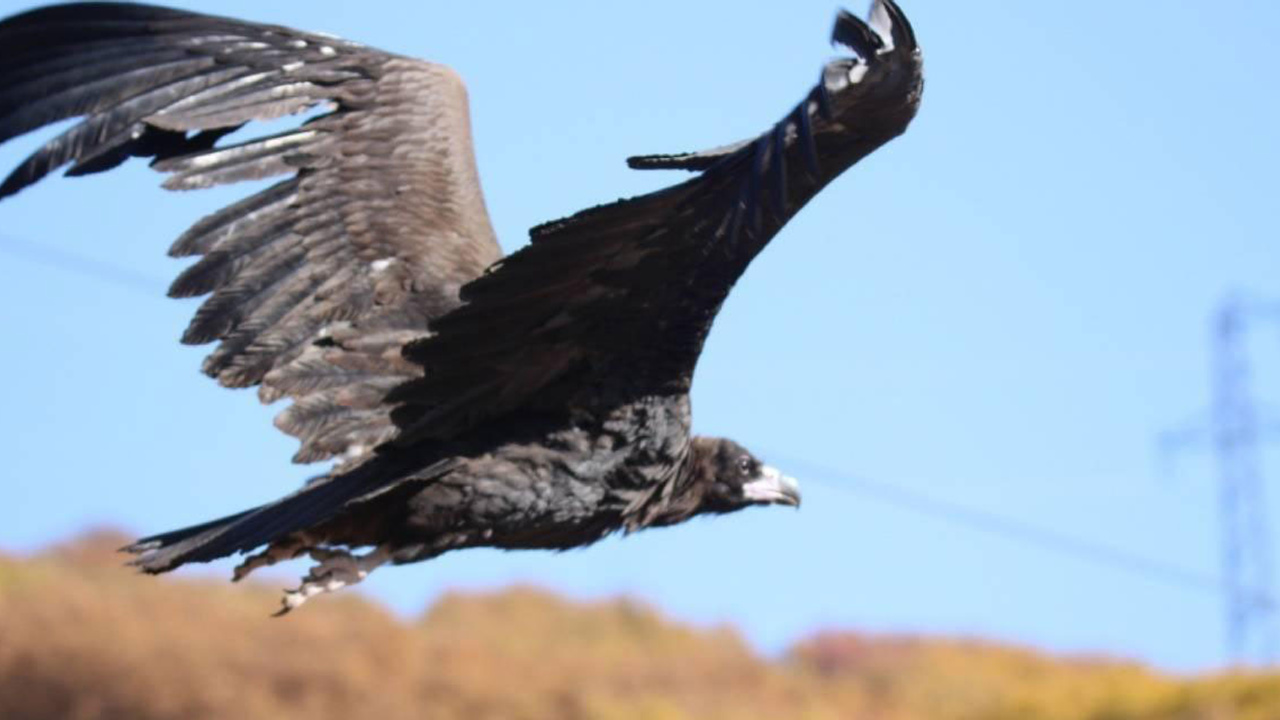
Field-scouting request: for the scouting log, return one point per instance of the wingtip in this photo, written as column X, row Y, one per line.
column 890, row 23
column 13, row 184
column 850, row 31
column 886, row 29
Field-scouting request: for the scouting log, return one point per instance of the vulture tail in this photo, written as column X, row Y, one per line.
column 244, row 531
column 173, row 537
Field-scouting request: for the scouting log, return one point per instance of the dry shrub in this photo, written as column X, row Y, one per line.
column 82, row 639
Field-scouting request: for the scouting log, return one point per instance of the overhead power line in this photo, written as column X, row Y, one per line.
column 1022, row 531
column 80, row 265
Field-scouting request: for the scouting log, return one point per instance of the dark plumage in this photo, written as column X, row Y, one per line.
column 534, row 401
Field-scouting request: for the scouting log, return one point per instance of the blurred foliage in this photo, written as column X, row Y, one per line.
column 81, row 639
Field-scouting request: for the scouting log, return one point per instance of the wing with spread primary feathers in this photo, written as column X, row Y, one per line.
column 319, row 280
column 616, row 302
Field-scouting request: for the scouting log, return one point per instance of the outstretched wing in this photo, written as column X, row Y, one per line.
column 317, row 281
column 616, row 302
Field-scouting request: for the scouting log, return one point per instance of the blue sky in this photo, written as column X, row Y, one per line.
column 1001, row 309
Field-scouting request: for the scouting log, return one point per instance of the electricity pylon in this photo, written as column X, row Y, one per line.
column 1236, row 433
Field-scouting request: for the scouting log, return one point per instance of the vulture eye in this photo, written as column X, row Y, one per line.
column 744, row 465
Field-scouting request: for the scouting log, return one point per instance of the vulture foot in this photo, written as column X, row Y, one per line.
column 336, row 569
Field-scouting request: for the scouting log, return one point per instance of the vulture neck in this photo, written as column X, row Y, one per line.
column 691, row 481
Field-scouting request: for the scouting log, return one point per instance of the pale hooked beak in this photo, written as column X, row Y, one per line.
column 773, row 488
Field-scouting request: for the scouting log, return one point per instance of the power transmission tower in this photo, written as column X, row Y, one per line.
column 1236, row 433
column 1246, row 542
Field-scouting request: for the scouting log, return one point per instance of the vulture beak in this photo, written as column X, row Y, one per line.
column 773, row 488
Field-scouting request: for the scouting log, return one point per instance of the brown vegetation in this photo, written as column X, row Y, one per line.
column 81, row 639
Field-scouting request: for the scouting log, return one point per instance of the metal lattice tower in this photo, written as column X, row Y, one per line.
column 1253, row 627
column 1236, row 430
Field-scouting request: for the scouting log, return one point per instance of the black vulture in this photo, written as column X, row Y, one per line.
column 538, row 400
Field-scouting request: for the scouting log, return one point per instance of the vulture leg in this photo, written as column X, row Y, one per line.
column 336, row 569
column 278, row 551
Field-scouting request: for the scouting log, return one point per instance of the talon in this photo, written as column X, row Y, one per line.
column 295, row 598
column 251, row 563
column 336, row 569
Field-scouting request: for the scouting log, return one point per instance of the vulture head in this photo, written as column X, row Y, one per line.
column 722, row 476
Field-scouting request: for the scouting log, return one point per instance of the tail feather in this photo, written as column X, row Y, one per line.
column 313, row 504
column 167, row 539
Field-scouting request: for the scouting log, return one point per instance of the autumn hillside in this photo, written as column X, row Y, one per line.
column 81, row 639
